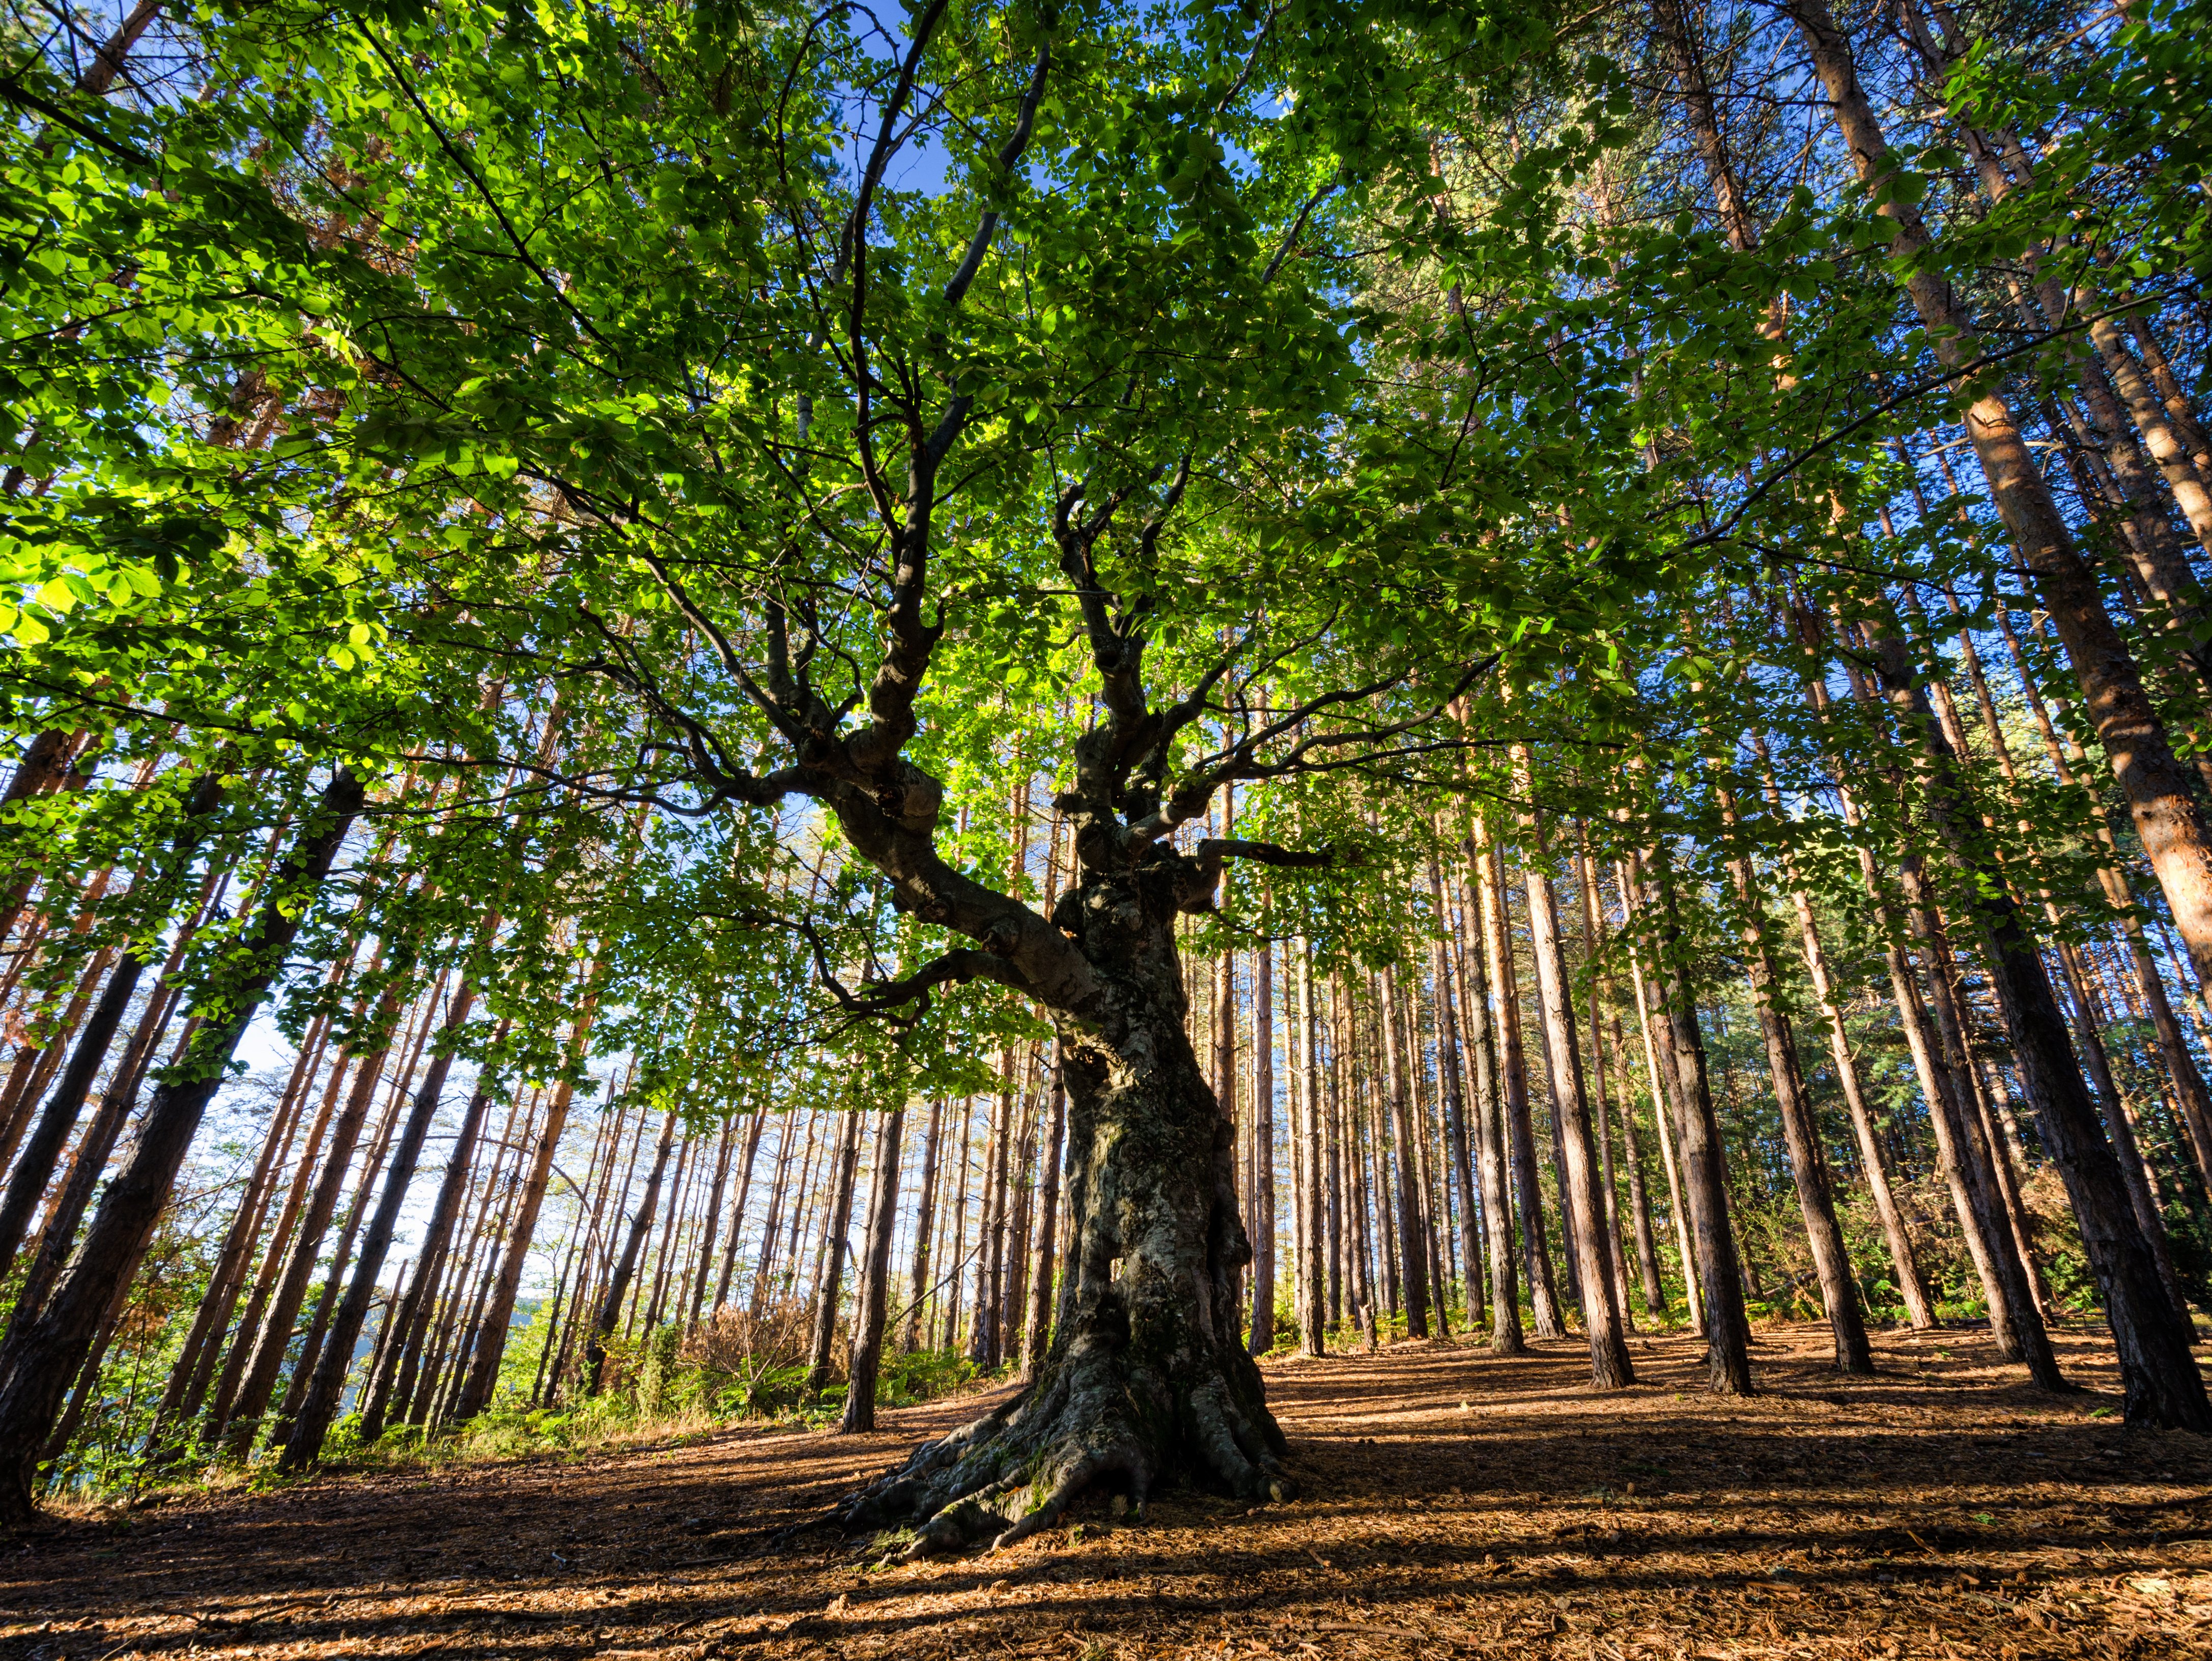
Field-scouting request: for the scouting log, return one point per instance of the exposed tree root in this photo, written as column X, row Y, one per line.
column 1087, row 1423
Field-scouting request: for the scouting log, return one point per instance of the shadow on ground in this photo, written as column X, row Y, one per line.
column 1453, row 1503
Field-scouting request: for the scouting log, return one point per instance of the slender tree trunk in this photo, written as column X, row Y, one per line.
column 1663, row 1087
column 224, row 1287
column 1263, row 1149
column 39, row 1360
column 487, row 1347
column 1490, row 1133
column 710, row 1221
column 1610, row 1368
column 319, row 1407
column 960, row 1210
column 41, row 1150
column 773, row 1223
column 1586, row 875
column 833, row 1255
column 1912, row 1288
column 755, row 1120
column 925, row 1208
column 1520, row 1140
column 672, row 1235
column 2134, row 1168
column 326, row 1303
column 1697, row 1133
column 1412, row 1251
column 1450, row 1073
column 2159, row 1375
column 625, row 1265
column 1313, row 1245
column 189, row 1377
column 869, row 1310
column 416, row 1310
column 990, row 1236
column 1808, row 1164
column 1047, row 1235
column 265, row 1356
column 2168, row 820
column 2066, row 758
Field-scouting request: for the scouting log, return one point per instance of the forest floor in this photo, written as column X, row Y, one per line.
column 1452, row 1504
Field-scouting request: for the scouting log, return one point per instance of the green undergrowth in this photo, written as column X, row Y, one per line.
column 653, row 1401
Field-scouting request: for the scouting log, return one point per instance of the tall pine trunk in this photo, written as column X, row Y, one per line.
column 39, row 1360
column 874, row 1286
column 318, row 1404
column 1610, row 1368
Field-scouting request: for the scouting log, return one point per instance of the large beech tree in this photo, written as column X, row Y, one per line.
column 773, row 422
column 813, row 463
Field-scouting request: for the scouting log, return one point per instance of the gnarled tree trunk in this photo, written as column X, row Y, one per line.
column 1146, row 1380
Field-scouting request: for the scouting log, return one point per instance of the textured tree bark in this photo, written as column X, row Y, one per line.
column 1412, row 1247
column 1450, row 1073
column 874, row 1281
column 47, row 765
column 1146, row 1379
column 1697, row 1134
column 2179, row 410
column 1809, row 1164
column 1313, row 1245
column 1263, row 1149
column 2171, row 825
column 1610, row 1368
column 45, row 759
column 1038, row 1330
column 1521, row 1138
column 38, row 1362
column 2145, row 409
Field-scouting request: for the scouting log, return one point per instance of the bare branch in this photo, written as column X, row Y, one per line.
column 980, row 243
column 881, row 999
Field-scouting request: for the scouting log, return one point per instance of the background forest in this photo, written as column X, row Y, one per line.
column 564, row 570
